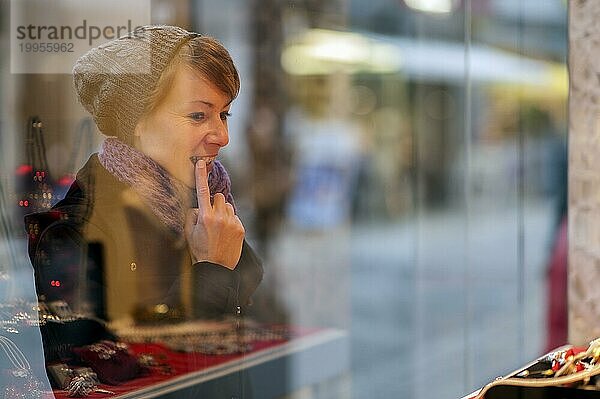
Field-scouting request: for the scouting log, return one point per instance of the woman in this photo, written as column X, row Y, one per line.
column 149, row 227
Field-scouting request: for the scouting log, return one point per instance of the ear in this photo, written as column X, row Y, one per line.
column 138, row 132
column 140, row 127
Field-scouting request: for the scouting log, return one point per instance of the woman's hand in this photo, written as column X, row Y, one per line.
column 214, row 233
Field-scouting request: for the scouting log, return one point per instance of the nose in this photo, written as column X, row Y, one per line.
column 219, row 134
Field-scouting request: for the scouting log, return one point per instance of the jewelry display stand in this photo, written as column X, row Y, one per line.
column 269, row 370
column 567, row 372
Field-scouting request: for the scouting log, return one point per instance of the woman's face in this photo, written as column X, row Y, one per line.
column 191, row 121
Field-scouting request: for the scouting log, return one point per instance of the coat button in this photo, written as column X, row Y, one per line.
column 133, row 266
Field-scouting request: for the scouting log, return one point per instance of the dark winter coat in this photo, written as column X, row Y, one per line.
column 103, row 250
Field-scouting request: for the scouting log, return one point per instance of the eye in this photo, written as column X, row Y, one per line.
column 225, row 115
column 197, row 116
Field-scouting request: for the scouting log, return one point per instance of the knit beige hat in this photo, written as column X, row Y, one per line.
column 114, row 80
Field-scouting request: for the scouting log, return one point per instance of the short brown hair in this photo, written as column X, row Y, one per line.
column 205, row 55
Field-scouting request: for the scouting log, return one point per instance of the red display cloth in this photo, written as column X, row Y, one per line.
column 180, row 363
column 127, row 364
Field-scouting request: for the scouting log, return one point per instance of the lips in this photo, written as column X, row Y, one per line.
column 208, row 160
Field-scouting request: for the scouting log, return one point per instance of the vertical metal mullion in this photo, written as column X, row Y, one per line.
column 467, row 190
column 520, row 212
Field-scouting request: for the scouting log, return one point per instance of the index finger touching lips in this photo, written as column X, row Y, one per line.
column 202, row 190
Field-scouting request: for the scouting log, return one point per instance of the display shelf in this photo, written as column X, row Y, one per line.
column 269, row 371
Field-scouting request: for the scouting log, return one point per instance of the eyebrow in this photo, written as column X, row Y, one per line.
column 209, row 104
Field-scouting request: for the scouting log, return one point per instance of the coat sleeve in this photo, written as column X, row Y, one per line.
column 219, row 291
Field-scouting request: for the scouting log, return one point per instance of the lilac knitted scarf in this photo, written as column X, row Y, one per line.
column 162, row 193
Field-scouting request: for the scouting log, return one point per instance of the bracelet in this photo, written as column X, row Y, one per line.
column 82, row 386
column 106, row 350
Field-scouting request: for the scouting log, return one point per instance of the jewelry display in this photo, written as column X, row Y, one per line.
column 568, row 362
column 106, row 350
column 149, row 362
column 63, row 329
column 226, row 342
column 79, row 387
column 112, row 362
column 204, row 337
column 19, row 314
column 34, row 187
column 87, row 373
column 82, row 386
column 568, row 367
column 78, row 382
column 24, row 384
column 44, row 313
column 61, row 310
column 61, row 374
